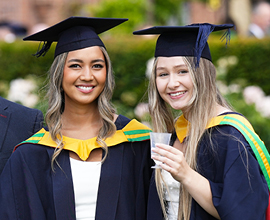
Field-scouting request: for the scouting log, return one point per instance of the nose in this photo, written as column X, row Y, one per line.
column 86, row 74
column 173, row 81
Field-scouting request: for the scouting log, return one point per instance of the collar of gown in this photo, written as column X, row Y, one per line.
column 132, row 132
column 182, row 124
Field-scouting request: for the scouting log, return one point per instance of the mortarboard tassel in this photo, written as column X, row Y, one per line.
column 203, row 33
column 45, row 47
column 227, row 36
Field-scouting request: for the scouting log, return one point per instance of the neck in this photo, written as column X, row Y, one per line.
column 220, row 110
column 81, row 123
column 80, row 117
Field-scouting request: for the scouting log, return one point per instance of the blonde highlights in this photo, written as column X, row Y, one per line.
column 56, row 104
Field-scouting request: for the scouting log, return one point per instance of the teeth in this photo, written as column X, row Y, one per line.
column 176, row 94
column 85, row 88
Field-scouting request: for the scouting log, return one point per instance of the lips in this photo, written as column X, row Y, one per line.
column 85, row 89
column 175, row 94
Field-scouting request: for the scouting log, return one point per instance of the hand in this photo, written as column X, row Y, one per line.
column 173, row 161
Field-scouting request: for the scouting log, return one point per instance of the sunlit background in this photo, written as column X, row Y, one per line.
column 243, row 70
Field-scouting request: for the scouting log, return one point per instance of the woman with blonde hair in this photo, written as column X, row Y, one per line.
column 217, row 167
column 89, row 163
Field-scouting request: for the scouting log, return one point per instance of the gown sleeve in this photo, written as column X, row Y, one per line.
column 239, row 189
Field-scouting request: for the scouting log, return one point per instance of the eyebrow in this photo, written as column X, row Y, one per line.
column 80, row 61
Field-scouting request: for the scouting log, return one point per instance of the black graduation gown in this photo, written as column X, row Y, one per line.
column 236, row 192
column 30, row 190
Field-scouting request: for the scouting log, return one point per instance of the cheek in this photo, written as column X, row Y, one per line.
column 104, row 77
column 69, row 76
column 66, row 76
column 66, row 80
column 188, row 82
column 101, row 77
column 191, row 86
column 161, row 85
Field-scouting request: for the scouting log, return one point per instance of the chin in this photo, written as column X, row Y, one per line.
column 177, row 108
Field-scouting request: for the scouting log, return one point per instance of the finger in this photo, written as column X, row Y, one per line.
column 168, row 161
column 164, row 166
column 168, row 148
column 167, row 153
column 163, row 153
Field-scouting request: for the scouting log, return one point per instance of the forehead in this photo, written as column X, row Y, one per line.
column 174, row 61
column 87, row 53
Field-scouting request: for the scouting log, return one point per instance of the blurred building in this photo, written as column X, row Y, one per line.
column 29, row 13
column 201, row 12
column 237, row 12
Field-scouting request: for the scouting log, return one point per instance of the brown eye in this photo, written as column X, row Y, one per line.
column 74, row 66
column 98, row 66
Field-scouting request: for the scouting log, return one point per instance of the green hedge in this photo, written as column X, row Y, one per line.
column 129, row 55
column 253, row 61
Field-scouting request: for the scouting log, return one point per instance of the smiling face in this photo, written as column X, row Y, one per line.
column 174, row 82
column 84, row 76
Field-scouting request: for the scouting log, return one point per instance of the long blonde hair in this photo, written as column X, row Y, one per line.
column 204, row 99
column 56, row 104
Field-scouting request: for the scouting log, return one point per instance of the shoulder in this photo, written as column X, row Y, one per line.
column 227, row 137
column 31, row 148
column 32, row 153
column 124, row 122
column 14, row 107
column 228, row 133
column 121, row 122
column 30, row 160
column 230, row 128
column 232, row 123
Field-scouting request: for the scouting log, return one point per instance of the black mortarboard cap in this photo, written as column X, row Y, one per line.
column 190, row 40
column 74, row 33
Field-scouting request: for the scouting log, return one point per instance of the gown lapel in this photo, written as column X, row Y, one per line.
column 63, row 192
column 109, row 185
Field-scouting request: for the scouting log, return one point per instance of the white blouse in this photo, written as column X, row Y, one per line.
column 171, row 195
column 85, row 177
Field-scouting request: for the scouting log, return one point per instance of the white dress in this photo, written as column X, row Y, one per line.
column 85, row 176
column 171, row 195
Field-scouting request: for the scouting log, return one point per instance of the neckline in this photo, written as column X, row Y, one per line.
column 116, row 122
column 81, row 161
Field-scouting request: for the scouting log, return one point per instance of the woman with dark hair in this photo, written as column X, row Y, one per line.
column 217, row 166
column 89, row 163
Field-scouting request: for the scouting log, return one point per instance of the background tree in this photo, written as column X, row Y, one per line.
column 141, row 13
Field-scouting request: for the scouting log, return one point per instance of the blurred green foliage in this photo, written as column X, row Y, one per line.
column 134, row 9
column 140, row 12
column 252, row 68
column 16, row 60
column 129, row 55
column 260, row 124
column 253, row 61
column 167, row 9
